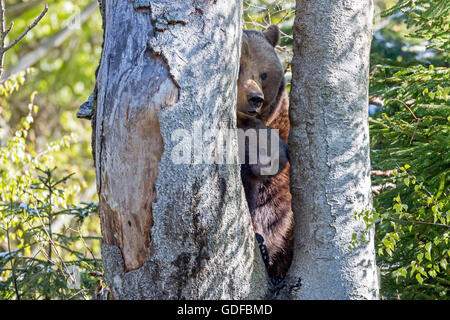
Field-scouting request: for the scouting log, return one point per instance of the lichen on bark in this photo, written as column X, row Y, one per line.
column 185, row 230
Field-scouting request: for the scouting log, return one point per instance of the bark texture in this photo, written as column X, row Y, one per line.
column 329, row 150
column 171, row 231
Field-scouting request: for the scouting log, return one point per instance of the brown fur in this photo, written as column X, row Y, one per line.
column 268, row 197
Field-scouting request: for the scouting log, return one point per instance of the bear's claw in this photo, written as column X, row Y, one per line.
column 263, row 249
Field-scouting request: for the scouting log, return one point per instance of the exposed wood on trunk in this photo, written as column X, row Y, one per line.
column 171, row 231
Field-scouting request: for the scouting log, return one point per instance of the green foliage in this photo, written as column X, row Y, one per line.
column 45, row 240
column 410, row 138
column 417, row 241
column 427, row 20
column 412, row 243
column 64, row 78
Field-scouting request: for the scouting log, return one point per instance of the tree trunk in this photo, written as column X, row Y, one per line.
column 329, row 150
column 171, row 230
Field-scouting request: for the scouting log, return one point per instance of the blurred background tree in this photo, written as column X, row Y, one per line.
column 68, row 47
column 409, row 133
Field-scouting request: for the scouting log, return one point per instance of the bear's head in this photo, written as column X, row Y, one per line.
column 261, row 76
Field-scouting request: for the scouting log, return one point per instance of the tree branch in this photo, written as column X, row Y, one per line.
column 417, row 222
column 386, row 173
column 377, row 189
column 34, row 56
column 2, row 34
column 405, row 105
column 20, row 8
column 31, row 26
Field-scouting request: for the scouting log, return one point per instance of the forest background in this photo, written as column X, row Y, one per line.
column 49, row 227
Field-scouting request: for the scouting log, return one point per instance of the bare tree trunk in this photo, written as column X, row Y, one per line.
column 329, row 150
column 169, row 230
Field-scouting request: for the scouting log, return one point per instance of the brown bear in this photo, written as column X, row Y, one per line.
column 263, row 103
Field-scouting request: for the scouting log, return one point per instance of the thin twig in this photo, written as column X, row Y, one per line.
column 32, row 57
column 9, row 29
column 31, row 26
column 2, row 34
column 406, row 106
column 418, row 222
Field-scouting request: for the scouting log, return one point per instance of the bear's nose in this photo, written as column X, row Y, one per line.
column 256, row 102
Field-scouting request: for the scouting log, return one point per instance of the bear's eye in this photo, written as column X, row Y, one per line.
column 263, row 76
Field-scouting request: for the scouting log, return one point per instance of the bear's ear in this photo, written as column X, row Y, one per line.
column 272, row 34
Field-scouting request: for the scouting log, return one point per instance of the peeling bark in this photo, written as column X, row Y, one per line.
column 329, row 150
column 171, row 231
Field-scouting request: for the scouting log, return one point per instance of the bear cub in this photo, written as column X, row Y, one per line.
column 262, row 103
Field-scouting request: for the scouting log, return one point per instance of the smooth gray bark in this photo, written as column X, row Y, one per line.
column 169, row 230
column 329, row 150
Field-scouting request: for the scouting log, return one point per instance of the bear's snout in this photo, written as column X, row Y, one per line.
column 255, row 101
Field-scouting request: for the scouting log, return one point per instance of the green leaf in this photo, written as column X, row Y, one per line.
column 420, row 257
column 428, row 247
column 419, row 278
column 406, row 181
